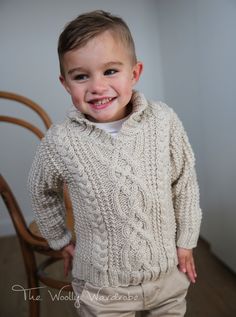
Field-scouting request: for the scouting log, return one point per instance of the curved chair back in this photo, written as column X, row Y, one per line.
column 28, row 125
column 30, row 104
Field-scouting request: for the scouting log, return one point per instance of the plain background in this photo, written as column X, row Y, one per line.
column 188, row 48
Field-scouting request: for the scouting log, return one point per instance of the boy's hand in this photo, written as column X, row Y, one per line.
column 186, row 263
column 68, row 254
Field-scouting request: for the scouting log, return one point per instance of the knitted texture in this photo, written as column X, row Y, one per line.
column 135, row 197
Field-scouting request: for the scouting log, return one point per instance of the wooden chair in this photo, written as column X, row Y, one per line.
column 31, row 242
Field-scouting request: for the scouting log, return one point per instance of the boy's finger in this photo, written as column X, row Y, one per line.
column 194, row 269
column 70, row 249
column 182, row 263
column 190, row 272
column 66, row 265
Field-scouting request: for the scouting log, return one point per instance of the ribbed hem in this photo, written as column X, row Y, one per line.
column 113, row 278
column 60, row 243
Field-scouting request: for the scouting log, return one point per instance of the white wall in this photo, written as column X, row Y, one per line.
column 29, row 66
column 198, row 49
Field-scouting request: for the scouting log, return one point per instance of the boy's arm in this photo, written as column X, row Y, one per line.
column 46, row 189
column 185, row 194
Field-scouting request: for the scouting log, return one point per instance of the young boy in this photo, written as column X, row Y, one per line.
column 130, row 172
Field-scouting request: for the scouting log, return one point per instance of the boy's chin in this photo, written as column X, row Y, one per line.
column 110, row 115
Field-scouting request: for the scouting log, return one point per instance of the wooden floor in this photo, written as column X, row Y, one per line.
column 214, row 294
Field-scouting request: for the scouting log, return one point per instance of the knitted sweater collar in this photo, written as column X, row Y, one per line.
column 130, row 126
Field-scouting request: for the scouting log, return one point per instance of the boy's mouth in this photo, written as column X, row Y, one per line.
column 101, row 103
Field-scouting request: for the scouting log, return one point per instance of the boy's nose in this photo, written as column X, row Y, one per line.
column 98, row 85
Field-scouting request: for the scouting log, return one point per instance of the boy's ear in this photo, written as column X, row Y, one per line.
column 63, row 81
column 137, row 71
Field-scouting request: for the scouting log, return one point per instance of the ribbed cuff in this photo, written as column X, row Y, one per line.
column 60, row 243
column 187, row 238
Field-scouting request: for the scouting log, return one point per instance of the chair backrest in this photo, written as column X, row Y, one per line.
column 28, row 125
column 30, row 104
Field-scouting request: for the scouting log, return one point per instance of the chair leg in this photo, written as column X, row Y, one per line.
column 33, row 294
column 34, row 302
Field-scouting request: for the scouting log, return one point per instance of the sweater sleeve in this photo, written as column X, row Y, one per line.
column 185, row 190
column 45, row 186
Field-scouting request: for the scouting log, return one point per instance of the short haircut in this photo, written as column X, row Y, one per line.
column 86, row 26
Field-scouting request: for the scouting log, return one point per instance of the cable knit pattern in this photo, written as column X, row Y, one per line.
column 135, row 197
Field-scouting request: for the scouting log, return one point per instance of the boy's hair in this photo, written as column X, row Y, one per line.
column 89, row 25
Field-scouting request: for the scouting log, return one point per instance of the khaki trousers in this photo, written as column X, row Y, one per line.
column 164, row 297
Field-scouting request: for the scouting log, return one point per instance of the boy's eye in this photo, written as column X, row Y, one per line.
column 81, row 77
column 110, row 72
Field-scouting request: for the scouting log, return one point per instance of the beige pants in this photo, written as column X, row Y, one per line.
column 164, row 297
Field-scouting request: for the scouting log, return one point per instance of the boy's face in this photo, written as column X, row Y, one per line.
column 100, row 77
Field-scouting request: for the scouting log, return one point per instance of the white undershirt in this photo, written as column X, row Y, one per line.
column 112, row 127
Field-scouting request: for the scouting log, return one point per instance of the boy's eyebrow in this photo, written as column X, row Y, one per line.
column 115, row 63
column 76, row 69
column 81, row 69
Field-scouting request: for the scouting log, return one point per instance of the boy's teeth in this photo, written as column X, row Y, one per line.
column 102, row 101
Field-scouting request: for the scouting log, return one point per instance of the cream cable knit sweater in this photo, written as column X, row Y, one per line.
column 135, row 197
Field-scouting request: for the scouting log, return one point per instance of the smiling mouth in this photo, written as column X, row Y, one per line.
column 101, row 103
